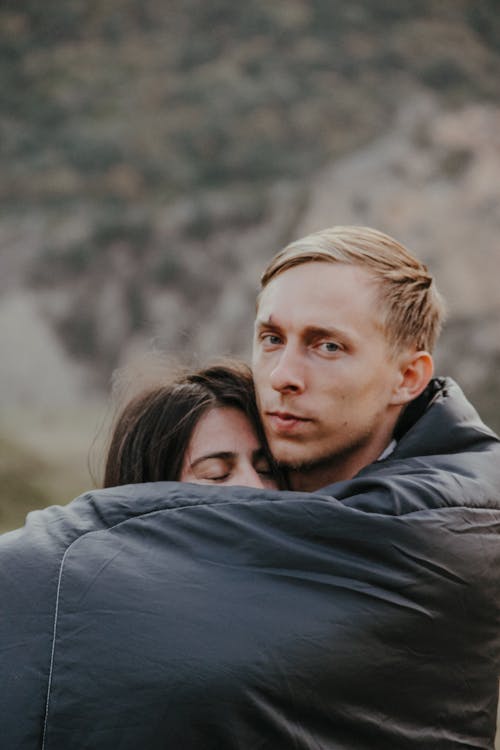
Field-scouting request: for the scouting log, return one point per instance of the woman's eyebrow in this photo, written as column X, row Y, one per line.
column 222, row 455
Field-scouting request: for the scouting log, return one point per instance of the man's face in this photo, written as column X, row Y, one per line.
column 323, row 370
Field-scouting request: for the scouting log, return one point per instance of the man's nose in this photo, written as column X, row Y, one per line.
column 288, row 374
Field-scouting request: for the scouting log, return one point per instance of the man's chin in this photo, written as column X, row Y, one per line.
column 299, row 462
column 291, row 458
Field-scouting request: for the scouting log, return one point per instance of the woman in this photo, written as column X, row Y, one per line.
column 203, row 427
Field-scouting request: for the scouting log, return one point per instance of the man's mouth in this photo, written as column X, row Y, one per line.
column 284, row 421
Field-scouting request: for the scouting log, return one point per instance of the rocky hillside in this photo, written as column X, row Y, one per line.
column 154, row 156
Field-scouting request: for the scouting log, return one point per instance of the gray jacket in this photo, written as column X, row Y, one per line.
column 170, row 615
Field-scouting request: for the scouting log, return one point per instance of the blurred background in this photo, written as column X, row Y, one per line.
column 155, row 155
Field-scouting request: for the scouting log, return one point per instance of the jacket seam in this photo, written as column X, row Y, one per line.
column 56, row 617
column 52, row 654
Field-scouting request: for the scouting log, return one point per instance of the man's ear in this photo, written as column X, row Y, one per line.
column 415, row 371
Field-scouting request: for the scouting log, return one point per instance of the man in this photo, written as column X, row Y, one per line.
column 346, row 322
column 360, row 614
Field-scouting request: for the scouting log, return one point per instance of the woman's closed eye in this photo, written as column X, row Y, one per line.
column 262, row 466
column 212, row 469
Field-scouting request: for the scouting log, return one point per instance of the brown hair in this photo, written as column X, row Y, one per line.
column 152, row 432
column 412, row 309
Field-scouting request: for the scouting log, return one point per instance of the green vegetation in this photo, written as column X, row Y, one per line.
column 214, row 94
column 21, row 482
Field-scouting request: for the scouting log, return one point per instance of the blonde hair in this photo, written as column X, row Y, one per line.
column 412, row 309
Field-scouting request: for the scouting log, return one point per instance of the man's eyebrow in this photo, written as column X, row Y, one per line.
column 311, row 330
column 266, row 323
column 222, row 455
column 346, row 337
column 324, row 331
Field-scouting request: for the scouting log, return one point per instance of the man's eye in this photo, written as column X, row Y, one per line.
column 270, row 339
column 330, row 347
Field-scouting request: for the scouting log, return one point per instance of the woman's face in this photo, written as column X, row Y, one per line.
column 224, row 449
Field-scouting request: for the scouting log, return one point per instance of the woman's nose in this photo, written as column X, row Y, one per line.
column 245, row 475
